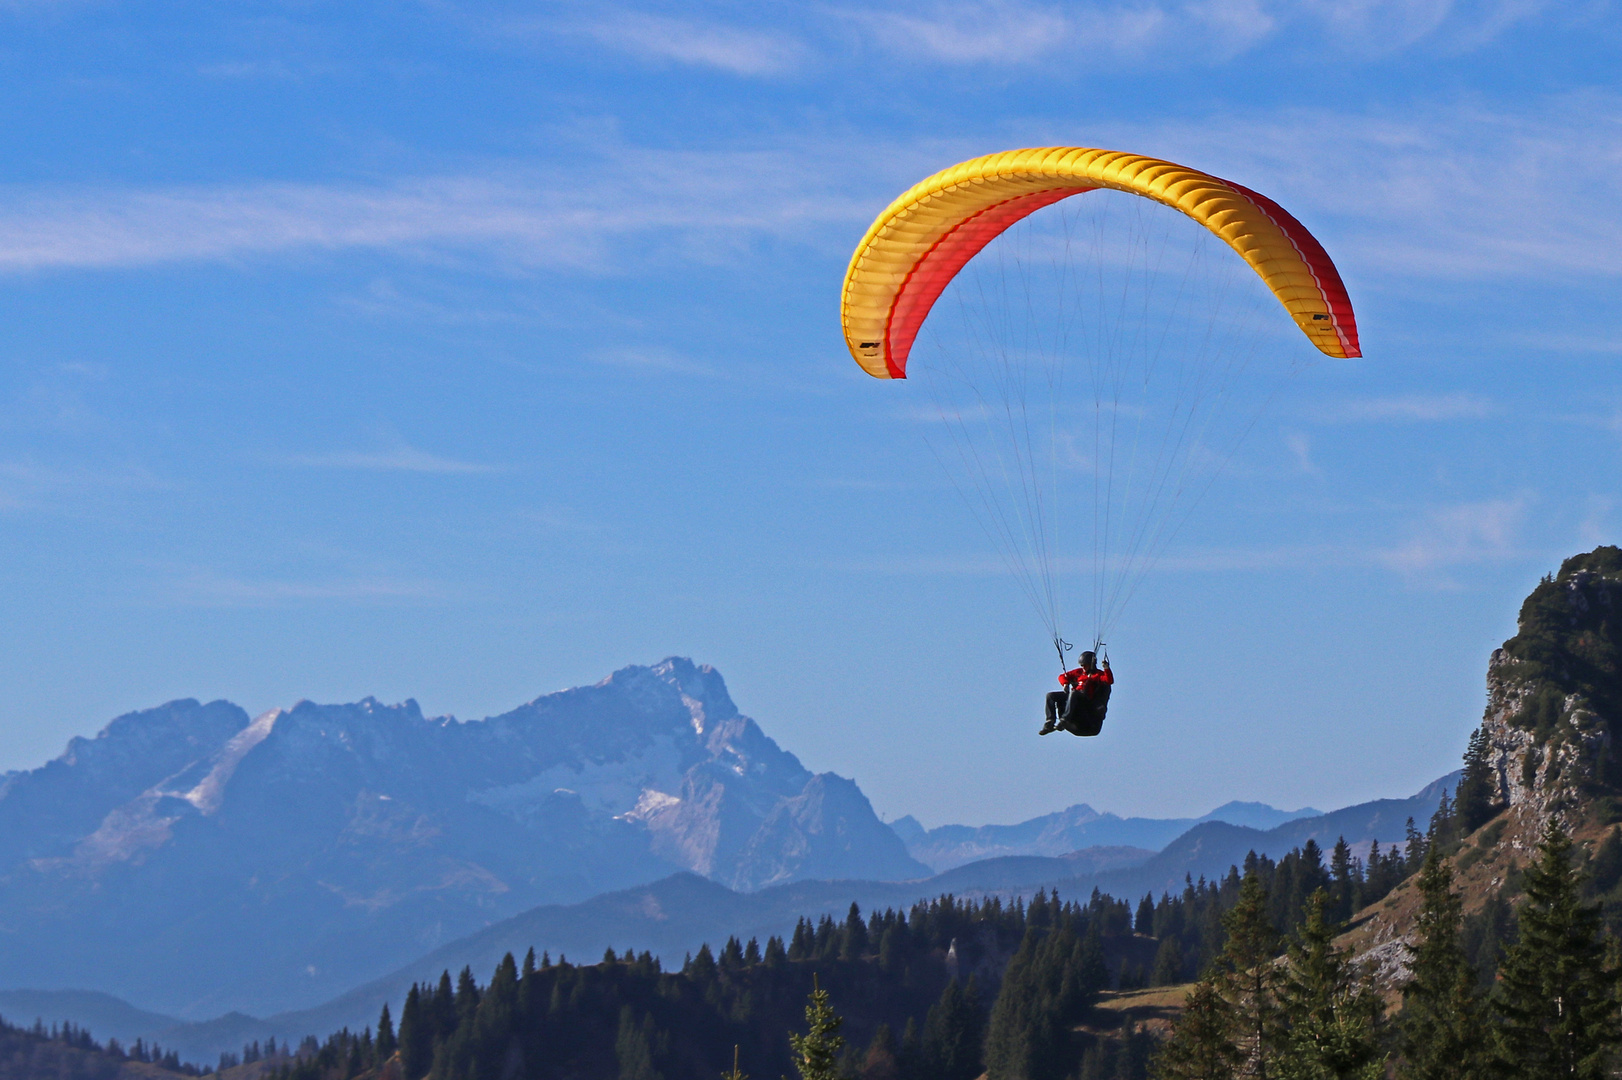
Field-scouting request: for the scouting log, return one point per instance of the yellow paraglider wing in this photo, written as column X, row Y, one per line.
column 920, row 242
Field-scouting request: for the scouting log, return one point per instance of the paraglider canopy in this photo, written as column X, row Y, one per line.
column 920, row 242
column 1092, row 370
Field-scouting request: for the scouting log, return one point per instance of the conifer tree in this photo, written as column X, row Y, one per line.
column 1330, row 1016
column 701, row 968
column 953, row 1033
column 1414, row 849
column 385, row 1035
column 1556, row 997
column 816, row 1053
column 634, row 1047
column 1249, row 979
column 1230, row 1026
column 1144, row 921
column 804, row 940
column 1477, row 797
column 1201, row 1046
column 1444, row 828
column 1443, row 1032
column 853, row 941
column 1168, row 969
column 467, row 995
column 1342, row 885
column 416, row 1037
column 444, row 1008
column 487, row 1040
column 1051, row 981
column 1091, row 970
column 908, row 1058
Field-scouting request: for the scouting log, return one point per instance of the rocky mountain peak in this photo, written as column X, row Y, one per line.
column 45, row 811
column 702, row 690
column 373, row 833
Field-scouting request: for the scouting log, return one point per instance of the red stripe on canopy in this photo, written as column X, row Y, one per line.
column 1330, row 286
column 932, row 273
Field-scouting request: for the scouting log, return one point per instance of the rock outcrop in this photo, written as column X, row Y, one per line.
column 1553, row 696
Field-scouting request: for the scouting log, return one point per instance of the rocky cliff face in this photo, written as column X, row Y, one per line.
column 194, row 860
column 1554, row 710
column 1553, row 694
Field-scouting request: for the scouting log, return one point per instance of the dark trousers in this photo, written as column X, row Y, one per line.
column 1084, row 718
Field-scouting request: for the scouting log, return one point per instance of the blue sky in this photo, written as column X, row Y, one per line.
column 464, row 352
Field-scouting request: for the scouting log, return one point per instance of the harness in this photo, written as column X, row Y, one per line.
column 1100, row 651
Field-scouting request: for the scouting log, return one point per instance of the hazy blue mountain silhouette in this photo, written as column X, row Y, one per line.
column 1071, row 829
column 197, row 861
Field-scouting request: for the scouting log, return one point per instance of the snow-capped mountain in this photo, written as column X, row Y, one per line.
column 194, row 859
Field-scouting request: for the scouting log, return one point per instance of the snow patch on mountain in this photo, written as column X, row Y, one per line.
column 605, row 787
column 210, row 791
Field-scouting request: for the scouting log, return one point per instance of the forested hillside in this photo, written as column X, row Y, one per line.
column 66, row 1052
column 946, row 989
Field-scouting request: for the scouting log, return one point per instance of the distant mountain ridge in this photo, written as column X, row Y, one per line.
column 1071, row 829
column 197, row 860
column 673, row 916
column 1210, row 848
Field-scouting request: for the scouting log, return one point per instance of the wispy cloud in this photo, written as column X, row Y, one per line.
column 1012, row 31
column 1462, row 535
column 1193, row 31
column 689, row 40
column 1408, row 407
column 27, row 483
column 1441, row 192
column 1444, row 191
column 977, row 32
column 398, row 459
column 1442, row 540
column 542, row 217
column 733, row 49
column 1377, row 28
column 1300, row 448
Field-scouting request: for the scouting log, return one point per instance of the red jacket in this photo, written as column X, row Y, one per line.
column 1087, row 683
